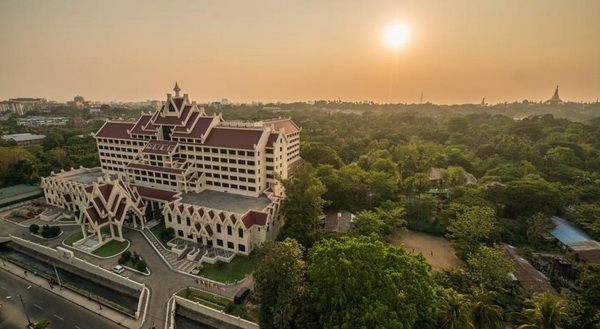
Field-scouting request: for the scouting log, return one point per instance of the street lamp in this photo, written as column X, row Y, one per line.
column 24, row 310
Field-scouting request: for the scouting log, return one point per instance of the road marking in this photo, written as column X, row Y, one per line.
column 4, row 288
column 38, row 306
column 8, row 297
column 77, row 327
column 58, row 317
column 28, row 287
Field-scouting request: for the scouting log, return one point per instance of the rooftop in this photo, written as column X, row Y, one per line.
column 82, row 175
column 527, row 275
column 23, row 137
column 230, row 202
column 567, row 233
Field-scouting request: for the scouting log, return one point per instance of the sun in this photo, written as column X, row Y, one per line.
column 396, row 36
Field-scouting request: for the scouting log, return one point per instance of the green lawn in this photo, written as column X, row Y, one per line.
column 212, row 301
column 73, row 238
column 157, row 231
column 67, row 219
column 131, row 265
column 111, row 248
column 236, row 270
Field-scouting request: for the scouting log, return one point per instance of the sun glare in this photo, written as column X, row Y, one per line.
column 396, row 36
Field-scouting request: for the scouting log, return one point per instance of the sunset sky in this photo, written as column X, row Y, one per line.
column 458, row 51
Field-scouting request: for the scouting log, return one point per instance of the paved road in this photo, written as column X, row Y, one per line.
column 39, row 304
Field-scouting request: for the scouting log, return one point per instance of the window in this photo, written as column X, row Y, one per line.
column 180, row 233
column 229, row 230
column 187, row 222
column 241, row 232
column 178, row 220
column 219, row 242
column 218, row 228
column 241, row 247
column 230, row 245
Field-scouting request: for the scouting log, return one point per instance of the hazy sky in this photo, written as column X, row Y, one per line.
column 284, row 50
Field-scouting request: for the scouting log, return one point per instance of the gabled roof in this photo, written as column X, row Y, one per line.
column 252, row 218
column 153, row 193
column 114, row 129
column 288, row 126
column 272, row 139
column 143, row 125
column 200, row 128
column 244, row 139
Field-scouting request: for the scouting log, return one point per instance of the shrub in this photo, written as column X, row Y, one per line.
column 33, row 228
column 126, row 255
column 45, row 234
column 136, row 258
column 141, row 266
column 229, row 308
column 121, row 260
column 54, row 231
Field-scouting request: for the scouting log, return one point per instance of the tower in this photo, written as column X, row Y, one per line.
column 176, row 90
column 555, row 100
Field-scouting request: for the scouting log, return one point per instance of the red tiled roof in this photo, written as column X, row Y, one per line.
column 272, row 139
column 208, row 230
column 252, row 218
column 95, row 216
column 222, row 216
column 120, row 211
column 201, row 212
column 112, row 129
column 200, row 128
column 174, row 121
column 197, row 226
column 288, row 125
column 178, row 102
column 142, row 126
column 68, row 197
column 155, row 168
column 232, row 218
column 153, row 193
column 105, row 191
column 233, row 138
column 188, row 124
column 99, row 205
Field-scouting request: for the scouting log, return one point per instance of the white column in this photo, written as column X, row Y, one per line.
column 99, row 233
column 120, row 228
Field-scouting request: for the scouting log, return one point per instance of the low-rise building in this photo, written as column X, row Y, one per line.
column 25, row 139
column 22, row 105
column 40, row 121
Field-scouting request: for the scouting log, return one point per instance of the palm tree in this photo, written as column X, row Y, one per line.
column 486, row 314
column 545, row 311
column 453, row 311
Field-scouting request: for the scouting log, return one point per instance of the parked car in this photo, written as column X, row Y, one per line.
column 118, row 269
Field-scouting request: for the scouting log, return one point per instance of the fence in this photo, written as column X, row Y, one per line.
column 218, row 315
column 78, row 263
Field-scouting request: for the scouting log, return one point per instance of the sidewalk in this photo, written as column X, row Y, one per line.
column 73, row 297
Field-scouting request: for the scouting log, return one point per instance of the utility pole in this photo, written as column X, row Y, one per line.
column 24, row 310
column 98, row 298
column 58, row 277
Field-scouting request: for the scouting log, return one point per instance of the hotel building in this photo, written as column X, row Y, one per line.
column 215, row 182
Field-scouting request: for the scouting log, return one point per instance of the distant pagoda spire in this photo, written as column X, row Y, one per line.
column 176, row 89
column 556, row 97
column 555, row 100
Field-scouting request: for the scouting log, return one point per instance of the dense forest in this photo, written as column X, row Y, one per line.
column 479, row 177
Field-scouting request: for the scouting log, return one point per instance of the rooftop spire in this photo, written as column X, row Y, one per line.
column 176, row 89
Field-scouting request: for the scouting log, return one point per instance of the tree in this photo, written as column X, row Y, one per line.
column 486, row 314
column 141, row 265
column 317, row 153
column 453, row 311
column 585, row 300
column 537, row 225
column 489, row 267
column 302, row 206
column 363, row 282
column 34, row 228
column 280, row 283
column 472, row 227
column 544, row 311
column 368, row 222
column 525, row 198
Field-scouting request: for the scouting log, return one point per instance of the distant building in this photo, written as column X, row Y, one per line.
column 527, row 275
column 22, row 105
column 337, row 221
column 80, row 102
column 555, row 100
column 576, row 241
column 95, row 110
column 25, row 139
column 39, row 121
column 19, row 193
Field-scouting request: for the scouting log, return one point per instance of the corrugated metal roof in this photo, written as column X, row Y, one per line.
column 566, row 232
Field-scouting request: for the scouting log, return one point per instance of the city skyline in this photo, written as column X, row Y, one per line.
column 458, row 52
